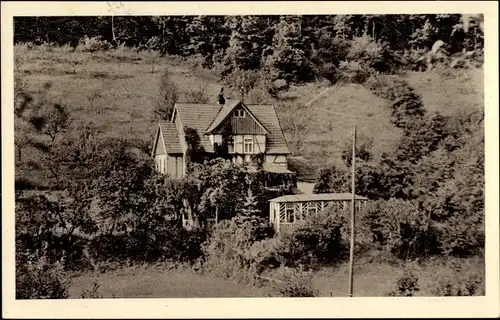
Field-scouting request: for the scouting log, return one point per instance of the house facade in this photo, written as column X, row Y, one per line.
column 242, row 130
column 286, row 211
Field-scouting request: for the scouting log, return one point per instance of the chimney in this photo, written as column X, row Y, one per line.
column 221, row 99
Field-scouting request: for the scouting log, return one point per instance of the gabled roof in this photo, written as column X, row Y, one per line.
column 225, row 112
column 201, row 116
column 170, row 138
column 316, row 197
column 276, row 143
column 198, row 116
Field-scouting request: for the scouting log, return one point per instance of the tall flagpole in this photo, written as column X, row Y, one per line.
column 353, row 210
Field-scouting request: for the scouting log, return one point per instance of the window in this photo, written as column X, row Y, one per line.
column 230, row 145
column 238, row 144
column 289, row 213
column 311, row 208
column 239, row 113
column 248, row 146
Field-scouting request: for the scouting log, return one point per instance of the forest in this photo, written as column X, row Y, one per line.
column 88, row 200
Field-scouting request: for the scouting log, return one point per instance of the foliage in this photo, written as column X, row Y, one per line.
column 468, row 284
column 40, row 281
column 353, row 72
column 92, row 293
column 93, row 44
column 401, row 227
column 196, row 95
column 406, row 104
column 371, row 55
column 330, row 180
column 293, row 283
column 228, row 253
column 168, row 96
column 289, row 60
column 406, row 285
column 363, row 152
column 319, row 239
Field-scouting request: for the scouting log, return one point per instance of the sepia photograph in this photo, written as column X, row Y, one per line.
column 173, row 156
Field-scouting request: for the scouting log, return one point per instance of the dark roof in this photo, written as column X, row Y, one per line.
column 225, row 109
column 170, row 138
column 316, row 197
column 266, row 114
column 198, row 116
column 201, row 116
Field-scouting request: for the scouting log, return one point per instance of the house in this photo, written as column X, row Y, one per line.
column 285, row 211
column 242, row 130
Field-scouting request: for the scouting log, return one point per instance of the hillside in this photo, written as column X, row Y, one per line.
column 116, row 90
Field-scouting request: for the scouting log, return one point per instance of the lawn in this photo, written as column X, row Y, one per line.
column 154, row 282
column 372, row 277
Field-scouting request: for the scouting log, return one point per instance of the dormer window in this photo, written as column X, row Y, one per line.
column 239, row 113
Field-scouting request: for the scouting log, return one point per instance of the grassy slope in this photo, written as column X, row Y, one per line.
column 126, row 89
column 126, row 86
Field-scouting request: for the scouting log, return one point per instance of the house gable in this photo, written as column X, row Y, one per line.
column 203, row 116
column 237, row 124
column 238, row 118
column 159, row 146
column 166, row 140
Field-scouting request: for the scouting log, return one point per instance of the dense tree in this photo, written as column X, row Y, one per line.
column 290, row 58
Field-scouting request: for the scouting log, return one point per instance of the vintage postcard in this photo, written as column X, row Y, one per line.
column 250, row 159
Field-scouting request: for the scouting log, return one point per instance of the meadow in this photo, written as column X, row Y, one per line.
column 373, row 278
column 116, row 91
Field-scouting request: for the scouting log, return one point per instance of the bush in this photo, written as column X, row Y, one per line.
column 93, row 44
column 354, row 72
column 258, row 95
column 414, row 60
column 228, row 252
column 372, row 55
column 465, row 285
column 319, row 239
column 196, row 95
column 40, row 281
column 293, row 283
column 92, row 293
column 400, row 227
column 406, row 285
column 406, row 104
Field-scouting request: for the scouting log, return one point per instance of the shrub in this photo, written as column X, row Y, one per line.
column 246, row 79
column 266, row 254
column 407, row 106
column 93, row 44
column 406, row 285
column 459, row 285
column 167, row 97
column 372, row 55
column 40, row 281
column 92, row 293
column 228, row 252
column 354, row 72
column 196, row 94
column 401, row 228
column 258, row 95
column 316, row 240
column 293, row 283
column 452, row 287
column 414, row 60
